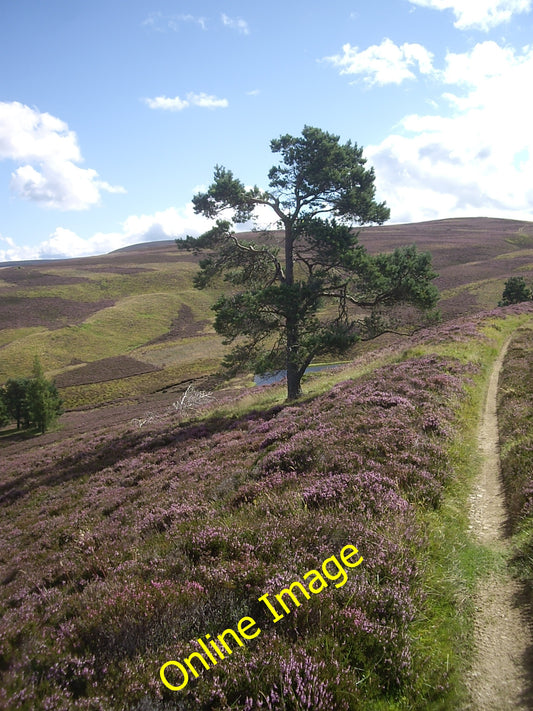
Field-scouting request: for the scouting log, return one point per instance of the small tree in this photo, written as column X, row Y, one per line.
column 15, row 398
column 321, row 292
column 4, row 416
column 515, row 291
column 43, row 401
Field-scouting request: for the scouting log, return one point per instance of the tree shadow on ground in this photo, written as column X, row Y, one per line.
column 124, row 446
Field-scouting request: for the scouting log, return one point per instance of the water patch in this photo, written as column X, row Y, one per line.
column 278, row 376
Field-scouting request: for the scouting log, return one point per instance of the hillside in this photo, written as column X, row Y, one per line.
column 124, row 549
column 129, row 324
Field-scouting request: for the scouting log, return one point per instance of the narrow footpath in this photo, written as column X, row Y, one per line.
column 499, row 679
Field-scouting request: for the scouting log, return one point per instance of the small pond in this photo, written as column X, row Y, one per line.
column 271, row 378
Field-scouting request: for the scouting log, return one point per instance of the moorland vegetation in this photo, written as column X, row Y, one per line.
column 130, row 326
column 132, row 544
column 515, row 418
column 122, row 547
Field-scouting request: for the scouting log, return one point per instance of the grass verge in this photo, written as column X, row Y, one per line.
column 455, row 561
column 515, row 414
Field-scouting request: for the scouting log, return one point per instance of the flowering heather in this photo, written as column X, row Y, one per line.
column 462, row 330
column 515, row 420
column 121, row 548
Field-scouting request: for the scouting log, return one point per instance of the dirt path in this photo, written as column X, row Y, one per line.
column 499, row 679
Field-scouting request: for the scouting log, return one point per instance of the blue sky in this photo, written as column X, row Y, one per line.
column 113, row 113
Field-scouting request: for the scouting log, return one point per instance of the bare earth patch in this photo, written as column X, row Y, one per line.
column 31, row 277
column 499, row 678
column 184, row 326
column 47, row 311
column 104, row 370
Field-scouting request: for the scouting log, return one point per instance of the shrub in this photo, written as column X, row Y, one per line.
column 15, row 401
column 515, row 292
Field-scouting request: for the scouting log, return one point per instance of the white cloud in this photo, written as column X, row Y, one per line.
column 236, row 23
column 167, row 104
column 13, row 252
column 49, row 153
column 202, row 100
column 62, row 241
column 206, row 101
column 165, row 224
column 475, row 158
column 489, row 67
column 7, row 240
column 160, row 23
column 478, row 14
column 386, row 63
column 172, row 223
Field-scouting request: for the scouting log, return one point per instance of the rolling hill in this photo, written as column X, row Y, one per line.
column 125, row 548
column 130, row 324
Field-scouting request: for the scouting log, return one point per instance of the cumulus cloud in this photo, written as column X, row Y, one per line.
column 172, row 223
column 202, row 100
column 62, row 241
column 49, row 154
column 166, row 224
column 478, row 14
column 236, row 23
column 474, row 157
column 10, row 251
column 386, row 63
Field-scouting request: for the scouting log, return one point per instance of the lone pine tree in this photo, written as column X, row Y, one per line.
column 321, row 291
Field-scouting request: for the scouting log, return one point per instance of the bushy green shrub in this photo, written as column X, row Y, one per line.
column 515, row 292
column 30, row 401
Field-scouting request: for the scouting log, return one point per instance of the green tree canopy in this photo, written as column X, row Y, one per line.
column 14, row 395
column 31, row 401
column 321, row 291
column 43, row 401
column 4, row 415
column 515, row 291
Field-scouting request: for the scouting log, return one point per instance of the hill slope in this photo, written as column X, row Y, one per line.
column 129, row 323
column 121, row 548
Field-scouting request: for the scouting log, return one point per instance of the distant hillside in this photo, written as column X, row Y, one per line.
column 473, row 256
column 130, row 323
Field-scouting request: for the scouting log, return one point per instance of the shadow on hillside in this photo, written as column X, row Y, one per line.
column 11, row 434
column 126, row 446
column 524, row 602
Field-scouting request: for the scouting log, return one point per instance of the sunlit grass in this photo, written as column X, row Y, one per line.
column 10, row 335
column 116, row 330
column 515, row 416
column 456, row 560
column 111, row 285
column 135, row 386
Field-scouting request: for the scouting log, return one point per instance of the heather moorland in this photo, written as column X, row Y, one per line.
column 123, row 547
column 141, row 531
column 130, row 323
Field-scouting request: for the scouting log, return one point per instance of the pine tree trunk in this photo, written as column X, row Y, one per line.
column 291, row 323
column 294, row 389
